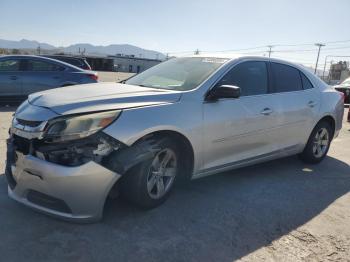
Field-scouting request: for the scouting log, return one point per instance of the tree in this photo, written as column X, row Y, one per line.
column 15, row 51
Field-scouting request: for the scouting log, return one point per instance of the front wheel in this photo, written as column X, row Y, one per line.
column 318, row 144
column 149, row 184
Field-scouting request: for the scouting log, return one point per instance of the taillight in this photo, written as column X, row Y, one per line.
column 93, row 76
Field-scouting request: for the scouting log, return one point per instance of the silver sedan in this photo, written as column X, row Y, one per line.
column 70, row 148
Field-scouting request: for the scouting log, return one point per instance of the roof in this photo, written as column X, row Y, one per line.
column 234, row 56
column 43, row 58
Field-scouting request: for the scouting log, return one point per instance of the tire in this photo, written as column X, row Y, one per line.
column 142, row 184
column 318, row 144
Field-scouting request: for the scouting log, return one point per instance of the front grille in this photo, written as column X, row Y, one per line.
column 28, row 123
column 47, row 201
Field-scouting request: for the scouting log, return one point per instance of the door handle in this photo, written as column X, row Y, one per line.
column 56, row 77
column 311, row 103
column 13, row 77
column 266, row 111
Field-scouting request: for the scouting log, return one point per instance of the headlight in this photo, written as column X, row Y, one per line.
column 75, row 127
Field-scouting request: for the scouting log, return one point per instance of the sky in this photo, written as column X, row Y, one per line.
column 181, row 26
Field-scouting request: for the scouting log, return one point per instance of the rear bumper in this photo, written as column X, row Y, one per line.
column 339, row 114
column 72, row 193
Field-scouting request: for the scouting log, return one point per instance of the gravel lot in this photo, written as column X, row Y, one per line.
column 282, row 210
column 113, row 76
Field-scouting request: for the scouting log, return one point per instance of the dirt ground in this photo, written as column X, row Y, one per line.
column 113, row 76
column 282, row 210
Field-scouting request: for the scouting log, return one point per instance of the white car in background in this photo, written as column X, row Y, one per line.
column 344, row 87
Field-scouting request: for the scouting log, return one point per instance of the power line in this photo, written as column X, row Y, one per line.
column 275, row 45
column 309, row 50
column 335, row 42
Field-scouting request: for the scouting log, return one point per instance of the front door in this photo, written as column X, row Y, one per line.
column 239, row 129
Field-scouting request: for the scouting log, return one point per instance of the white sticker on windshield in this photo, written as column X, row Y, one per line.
column 214, row 60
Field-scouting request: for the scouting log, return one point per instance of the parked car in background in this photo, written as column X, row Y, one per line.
column 22, row 75
column 73, row 60
column 182, row 119
column 344, row 87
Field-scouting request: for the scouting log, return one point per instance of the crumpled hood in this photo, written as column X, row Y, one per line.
column 101, row 96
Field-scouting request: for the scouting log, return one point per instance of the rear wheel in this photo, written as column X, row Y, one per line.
column 150, row 183
column 318, row 144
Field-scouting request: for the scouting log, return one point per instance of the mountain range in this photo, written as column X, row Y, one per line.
column 89, row 49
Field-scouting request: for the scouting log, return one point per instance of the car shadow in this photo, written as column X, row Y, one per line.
column 227, row 216
column 218, row 218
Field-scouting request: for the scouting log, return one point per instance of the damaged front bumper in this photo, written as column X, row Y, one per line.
column 73, row 191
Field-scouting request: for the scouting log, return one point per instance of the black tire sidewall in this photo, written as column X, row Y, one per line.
column 134, row 185
column 307, row 155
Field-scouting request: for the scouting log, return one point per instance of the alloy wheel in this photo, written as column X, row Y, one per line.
column 321, row 143
column 162, row 173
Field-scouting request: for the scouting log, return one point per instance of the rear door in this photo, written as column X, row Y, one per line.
column 41, row 75
column 10, row 77
column 296, row 103
column 240, row 129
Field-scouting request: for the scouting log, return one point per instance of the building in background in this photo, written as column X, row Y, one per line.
column 116, row 63
column 132, row 64
column 120, row 63
column 339, row 71
column 100, row 63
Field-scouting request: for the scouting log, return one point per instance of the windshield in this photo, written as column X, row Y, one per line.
column 179, row 74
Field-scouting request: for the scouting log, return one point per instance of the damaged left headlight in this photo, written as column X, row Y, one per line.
column 79, row 126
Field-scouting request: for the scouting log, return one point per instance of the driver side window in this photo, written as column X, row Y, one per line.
column 251, row 77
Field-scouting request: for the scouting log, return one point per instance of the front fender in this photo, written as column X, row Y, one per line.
column 134, row 124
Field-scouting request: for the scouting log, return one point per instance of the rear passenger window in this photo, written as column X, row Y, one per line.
column 306, row 82
column 9, row 65
column 286, row 78
column 36, row 65
column 251, row 77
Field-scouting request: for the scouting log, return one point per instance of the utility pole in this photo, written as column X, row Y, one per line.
column 270, row 50
column 324, row 67
column 318, row 54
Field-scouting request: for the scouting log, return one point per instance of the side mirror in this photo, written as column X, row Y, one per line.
column 224, row 91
